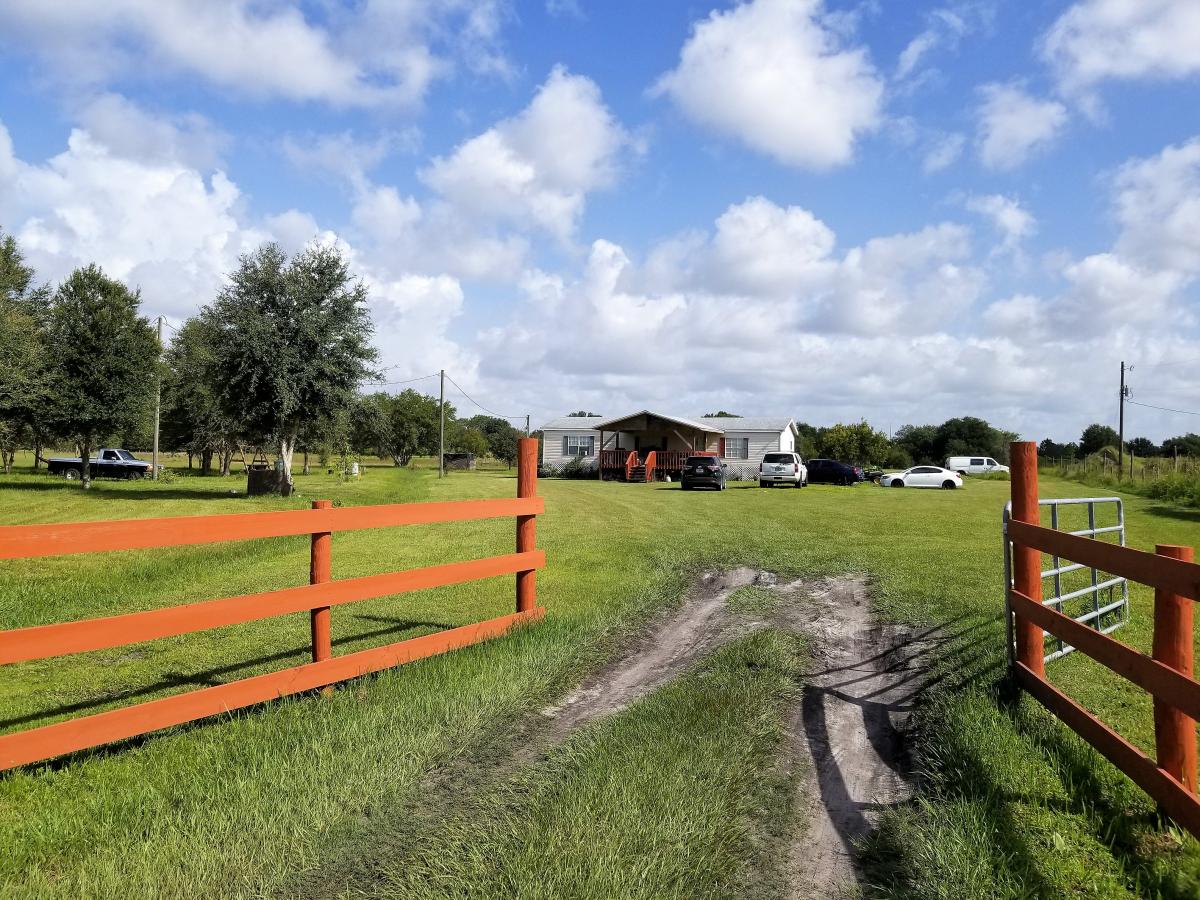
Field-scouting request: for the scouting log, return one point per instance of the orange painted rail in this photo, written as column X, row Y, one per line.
column 45, row 641
column 1167, row 675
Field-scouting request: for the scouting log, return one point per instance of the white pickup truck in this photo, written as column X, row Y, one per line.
column 108, row 463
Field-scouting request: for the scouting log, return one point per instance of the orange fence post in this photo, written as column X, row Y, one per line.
column 1027, row 562
column 320, row 571
column 1174, row 730
column 527, row 451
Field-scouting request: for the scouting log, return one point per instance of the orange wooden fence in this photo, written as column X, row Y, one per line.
column 1170, row 776
column 44, row 641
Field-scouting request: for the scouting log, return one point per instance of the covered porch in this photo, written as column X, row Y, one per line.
column 648, row 446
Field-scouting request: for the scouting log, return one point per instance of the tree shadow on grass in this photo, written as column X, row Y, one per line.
column 100, row 489
column 1174, row 512
column 214, row 676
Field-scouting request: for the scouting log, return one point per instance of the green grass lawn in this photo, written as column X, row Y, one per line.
column 681, row 795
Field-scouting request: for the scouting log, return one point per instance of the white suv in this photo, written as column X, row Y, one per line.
column 782, row 468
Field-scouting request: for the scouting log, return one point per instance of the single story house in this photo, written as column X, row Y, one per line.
column 647, row 445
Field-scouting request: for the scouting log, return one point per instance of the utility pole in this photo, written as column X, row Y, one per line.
column 442, row 427
column 526, row 424
column 1121, row 427
column 157, row 404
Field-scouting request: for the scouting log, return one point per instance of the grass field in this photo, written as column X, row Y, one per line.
column 681, row 795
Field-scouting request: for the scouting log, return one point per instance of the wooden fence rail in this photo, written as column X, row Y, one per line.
column 1167, row 675
column 322, row 593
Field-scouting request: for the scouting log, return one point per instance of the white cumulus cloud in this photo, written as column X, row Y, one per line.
column 1097, row 40
column 374, row 53
column 1013, row 125
column 772, row 75
column 539, row 166
column 1158, row 206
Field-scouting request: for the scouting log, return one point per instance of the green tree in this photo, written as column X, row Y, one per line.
column 105, row 359
column 1141, row 446
column 920, row 443
column 293, row 342
column 806, row 440
column 193, row 419
column 501, row 436
column 1186, row 445
column 24, row 363
column 1050, row 449
column 721, row 414
column 401, row 426
column 858, row 443
column 1095, row 438
column 468, row 440
column 969, row 436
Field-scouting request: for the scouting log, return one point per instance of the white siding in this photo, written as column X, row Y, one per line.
column 759, row 442
column 552, row 444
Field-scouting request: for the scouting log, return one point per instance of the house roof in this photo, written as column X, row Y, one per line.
column 773, row 424
column 571, row 423
column 698, row 424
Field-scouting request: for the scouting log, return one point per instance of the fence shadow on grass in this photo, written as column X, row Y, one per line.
column 214, row 676
column 1121, row 821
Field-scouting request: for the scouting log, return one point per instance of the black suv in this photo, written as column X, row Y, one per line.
column 830, row 471
column 703, row 471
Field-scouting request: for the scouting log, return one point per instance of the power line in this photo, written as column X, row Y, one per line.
column 1162, row 365
column 404, row 381
column 1185, row 412
column 480, row 405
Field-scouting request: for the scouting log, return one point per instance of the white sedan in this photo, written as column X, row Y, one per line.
column 923, row 476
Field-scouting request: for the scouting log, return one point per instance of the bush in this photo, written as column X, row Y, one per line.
column 575, row 468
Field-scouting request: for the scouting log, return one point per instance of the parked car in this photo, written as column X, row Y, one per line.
column 830, row 471
column 782, row 468
column 873, row 475
column 974, row 465
column 923, row 476
column 703, row 471
column 108, row 463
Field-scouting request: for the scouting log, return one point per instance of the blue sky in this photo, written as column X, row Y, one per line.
column 838, row 210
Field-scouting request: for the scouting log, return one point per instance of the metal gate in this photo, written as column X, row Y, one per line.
column 1102, row 604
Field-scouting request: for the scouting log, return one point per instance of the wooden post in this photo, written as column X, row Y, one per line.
column 1174, row 732
column 320, row 571
column 526, row 525
column 1027, row 562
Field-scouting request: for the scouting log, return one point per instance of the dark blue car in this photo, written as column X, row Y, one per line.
column 830, row 471
column 703, row 471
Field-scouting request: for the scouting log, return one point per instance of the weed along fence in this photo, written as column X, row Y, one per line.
column 317, row 597
column 1170, row 776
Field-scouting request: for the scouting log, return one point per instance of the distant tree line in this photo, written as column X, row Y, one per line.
column 274, row 361
column 861, row 444
column 1097, row 438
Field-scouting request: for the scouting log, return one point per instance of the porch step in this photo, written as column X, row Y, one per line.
column 638, row 474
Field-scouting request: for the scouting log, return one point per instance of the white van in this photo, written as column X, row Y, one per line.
column 974, row 465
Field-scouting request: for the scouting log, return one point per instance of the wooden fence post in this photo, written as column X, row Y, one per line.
column 526, row 525
column 320, row 571
column 1174, row 732
column 1027, row 562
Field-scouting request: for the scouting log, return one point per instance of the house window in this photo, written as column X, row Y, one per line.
column 737, row 448
column 574, row 445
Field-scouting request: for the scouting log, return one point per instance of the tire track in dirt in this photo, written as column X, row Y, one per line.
column 848, row 728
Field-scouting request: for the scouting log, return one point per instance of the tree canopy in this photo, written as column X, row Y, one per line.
column 1096, row 437
column 292, row 343
column 105, row 360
